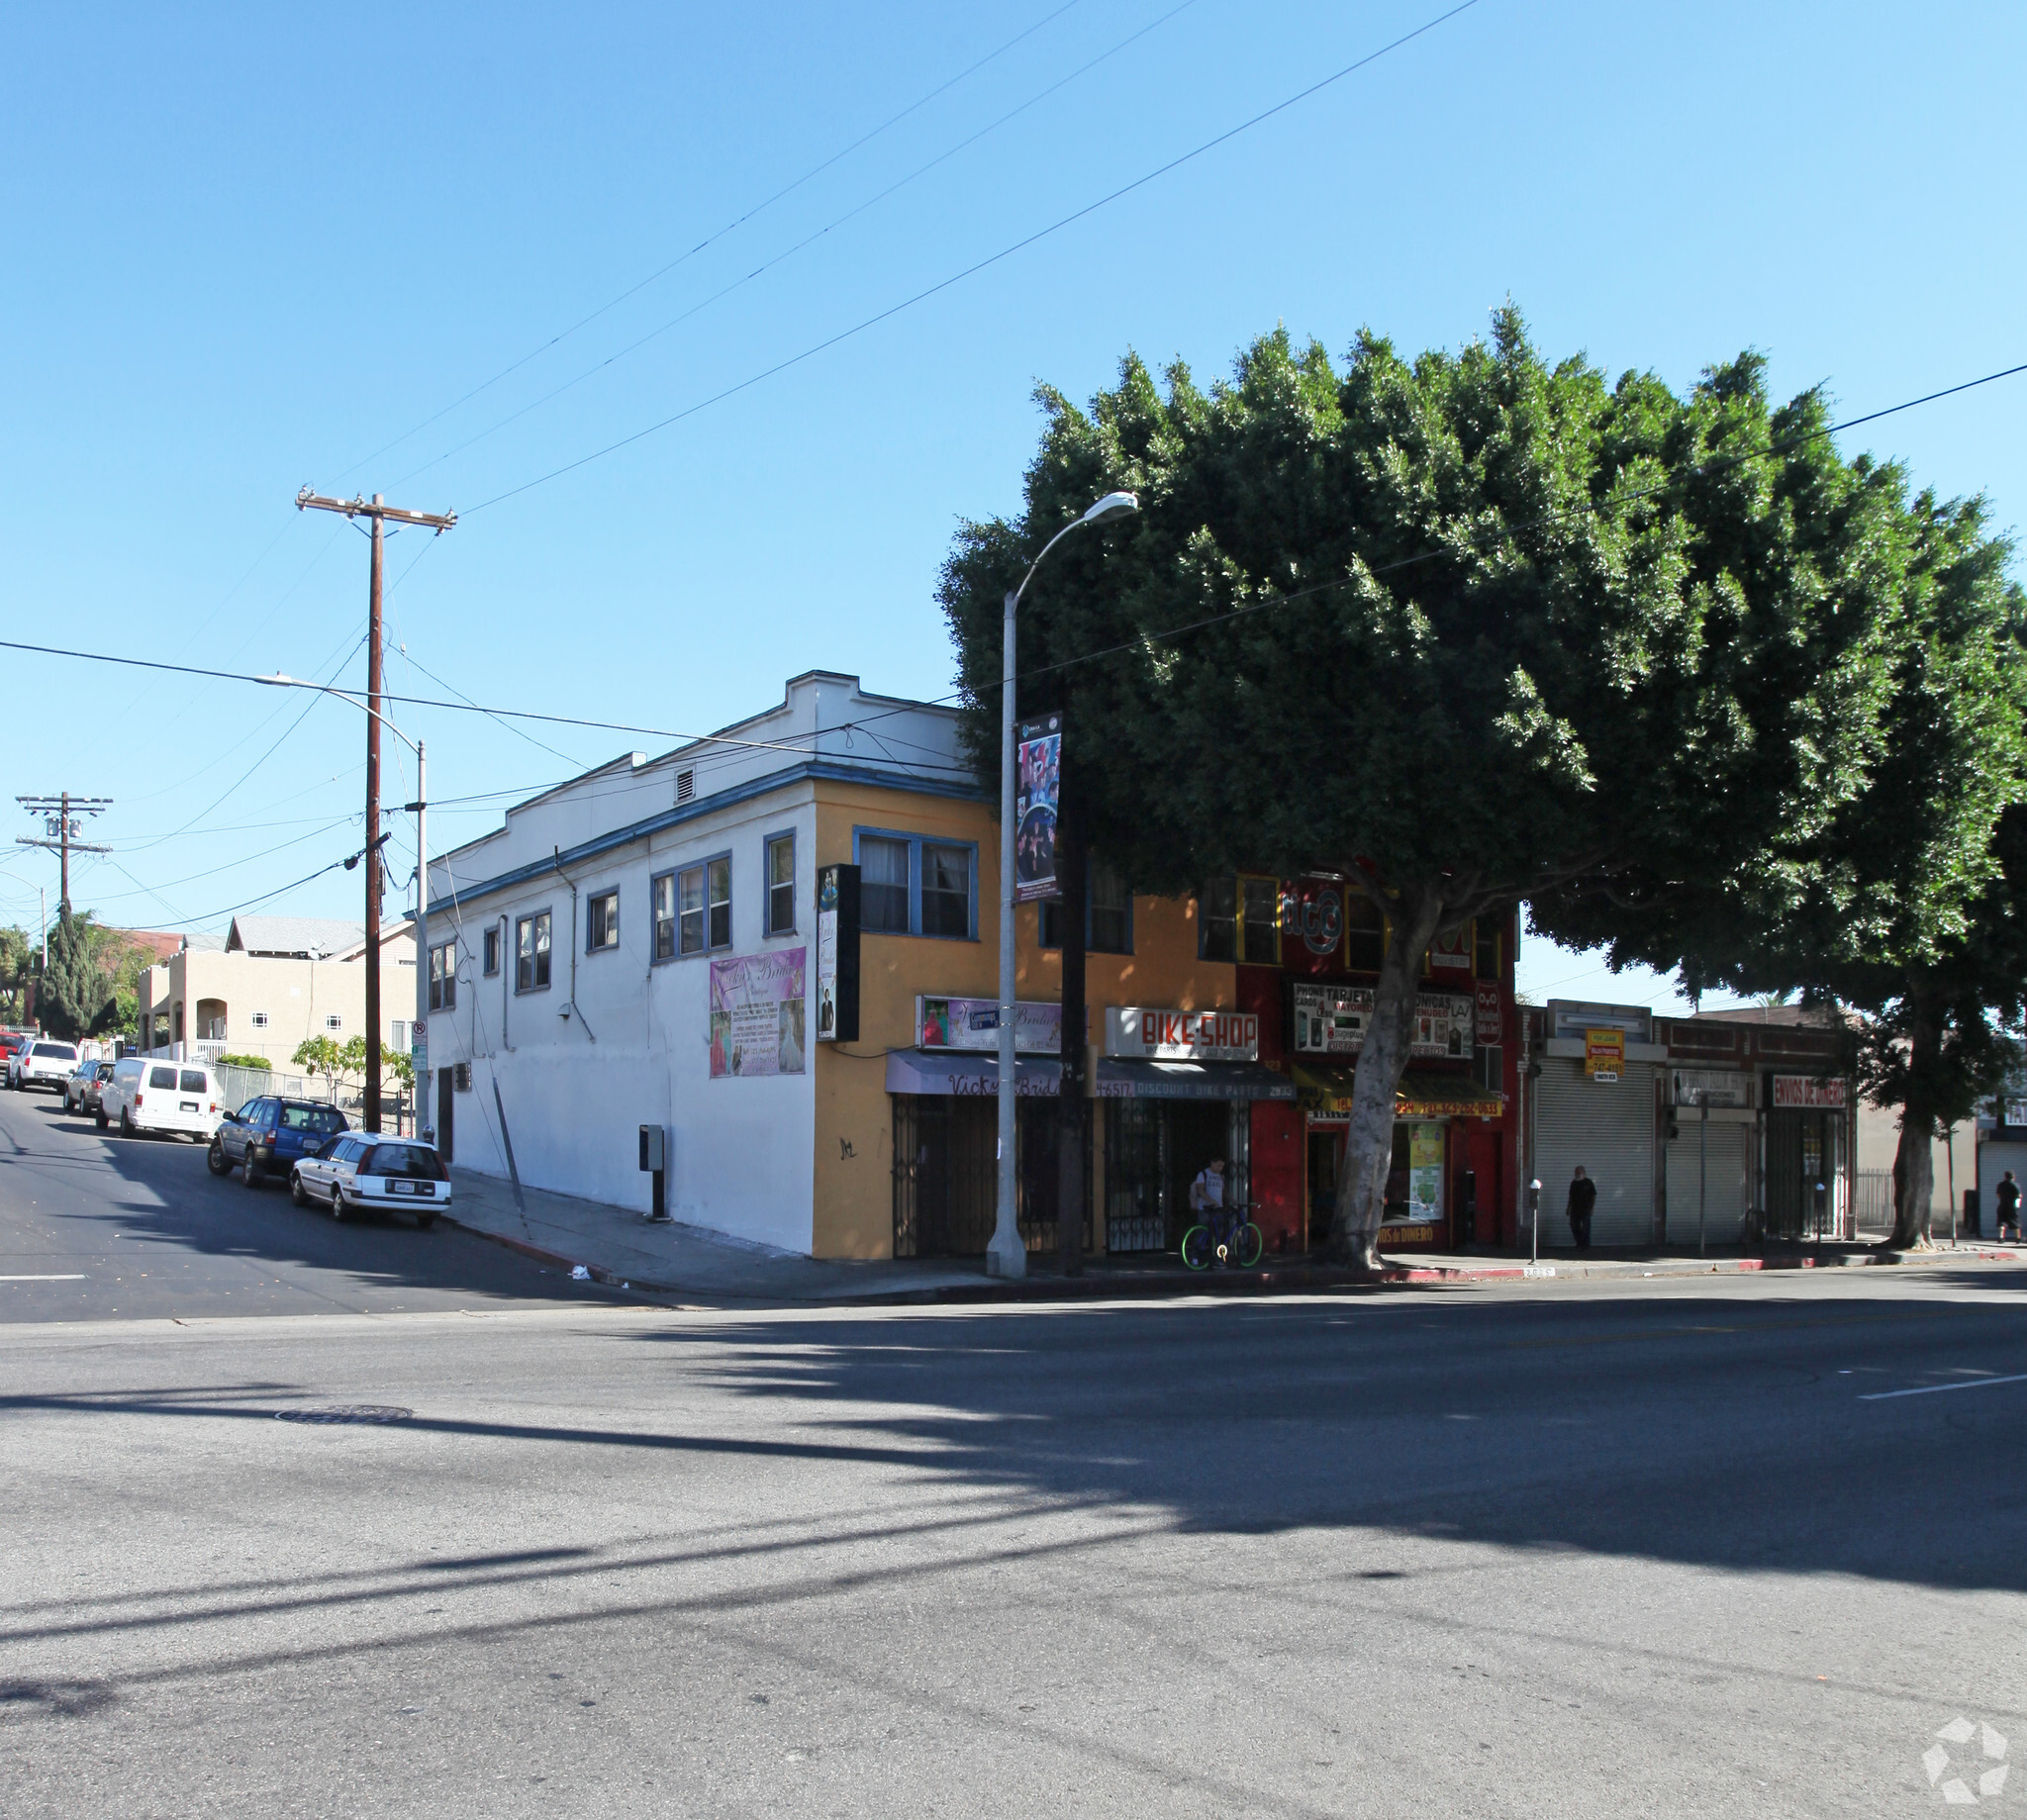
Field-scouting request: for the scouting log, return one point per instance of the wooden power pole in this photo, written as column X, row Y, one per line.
column 61, row 823
column 379, row 512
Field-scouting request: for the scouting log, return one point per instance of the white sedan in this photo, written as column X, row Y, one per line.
column 363, row 1172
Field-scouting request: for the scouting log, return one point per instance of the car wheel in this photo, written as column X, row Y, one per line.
column 250, row 1171
column 214, row 1159
column 296, row 1192
column 104, row 1121
column 338, row 1202
column 126, row 1122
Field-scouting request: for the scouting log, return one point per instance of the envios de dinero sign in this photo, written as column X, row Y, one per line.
column 1182, row 1036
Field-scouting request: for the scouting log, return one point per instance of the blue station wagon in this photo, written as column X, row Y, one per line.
column 270, row 1135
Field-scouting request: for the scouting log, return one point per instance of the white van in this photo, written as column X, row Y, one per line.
column 146, row 1095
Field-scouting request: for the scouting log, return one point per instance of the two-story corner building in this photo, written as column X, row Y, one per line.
column 271, row 982
column 637, row 946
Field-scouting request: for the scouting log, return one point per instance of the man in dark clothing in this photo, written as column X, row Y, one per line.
column 2007, row 1195
column 1583, row 1198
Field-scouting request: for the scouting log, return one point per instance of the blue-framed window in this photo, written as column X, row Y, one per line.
column 692, row 907
column 1108, row 914
column 778, row 880
column 915, row 883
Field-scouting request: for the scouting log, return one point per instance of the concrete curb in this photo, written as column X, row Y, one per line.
column 1147, row 1286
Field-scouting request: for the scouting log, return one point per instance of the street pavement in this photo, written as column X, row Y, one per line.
column 1743, row 1547
column 95, row 1226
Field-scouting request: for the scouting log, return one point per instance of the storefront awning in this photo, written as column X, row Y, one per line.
column 1120, row 1078
column 969, row 1072
column 1422, row 1093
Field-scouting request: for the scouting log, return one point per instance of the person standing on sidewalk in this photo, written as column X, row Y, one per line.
column 1583, row 1198
column 2007, row 1195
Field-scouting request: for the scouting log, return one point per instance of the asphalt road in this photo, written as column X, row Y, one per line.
column 94, row 1226
column 1663, row 1549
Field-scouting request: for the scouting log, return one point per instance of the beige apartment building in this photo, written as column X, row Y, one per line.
column 272, row 983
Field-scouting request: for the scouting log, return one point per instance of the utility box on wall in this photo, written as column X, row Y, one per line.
column 652, row 1140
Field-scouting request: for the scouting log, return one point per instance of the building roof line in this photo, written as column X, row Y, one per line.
column 811, row 770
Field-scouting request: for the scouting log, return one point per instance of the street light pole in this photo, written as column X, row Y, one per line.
column 1006, row 1256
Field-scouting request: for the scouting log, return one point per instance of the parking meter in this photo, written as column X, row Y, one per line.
column 1534, row 1218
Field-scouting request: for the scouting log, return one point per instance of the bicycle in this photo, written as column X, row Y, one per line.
column 1228, row 1237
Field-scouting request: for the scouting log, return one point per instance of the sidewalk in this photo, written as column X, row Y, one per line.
column 616, row 1246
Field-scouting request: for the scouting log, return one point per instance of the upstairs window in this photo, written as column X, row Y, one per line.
column 1260, row 920
column 1367, row 924
column 1217, row 921
column 443, row 977
column 492, row 952
column 1108, row 918
column 531, row 953
column 1486, row 949
column 946, row 889
column 662, row 895
column 703, row 906
column 781, row 885
column 602, row 923
column 883, row 885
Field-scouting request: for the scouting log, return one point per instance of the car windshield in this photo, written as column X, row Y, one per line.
column 322, row 1120
column 56, row 1052
column 417, row 1160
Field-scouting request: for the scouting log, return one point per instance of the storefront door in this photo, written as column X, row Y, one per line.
column 1802, row 1163
column 1153, row 1150
column 1325, row 1142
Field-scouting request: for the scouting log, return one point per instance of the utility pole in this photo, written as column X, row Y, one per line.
column 62, row 828
column 377, row 510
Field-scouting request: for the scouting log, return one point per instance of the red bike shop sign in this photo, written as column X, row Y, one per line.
column 1182, row 1036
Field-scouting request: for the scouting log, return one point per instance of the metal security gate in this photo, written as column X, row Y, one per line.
column 1729, row 1190
column 1153, row 1149
column 946, row 1174
column 1608, row 1127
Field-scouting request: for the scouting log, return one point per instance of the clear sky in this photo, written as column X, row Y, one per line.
column 256, row 248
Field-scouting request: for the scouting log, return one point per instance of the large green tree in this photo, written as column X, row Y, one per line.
column 1904, row 909
column 77, row 997
column 1469, row 628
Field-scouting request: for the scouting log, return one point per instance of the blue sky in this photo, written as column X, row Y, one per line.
column 256, row 248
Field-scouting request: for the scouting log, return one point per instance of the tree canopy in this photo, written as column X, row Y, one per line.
column 1467, row 628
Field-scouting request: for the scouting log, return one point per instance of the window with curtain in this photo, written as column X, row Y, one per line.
column 946, row 889
column 883, row 883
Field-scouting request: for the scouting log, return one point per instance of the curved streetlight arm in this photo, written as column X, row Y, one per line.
column 281, row 681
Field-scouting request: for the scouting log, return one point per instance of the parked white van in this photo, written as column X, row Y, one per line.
column 143, row 1094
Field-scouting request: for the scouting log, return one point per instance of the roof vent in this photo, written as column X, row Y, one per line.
column 686, row 786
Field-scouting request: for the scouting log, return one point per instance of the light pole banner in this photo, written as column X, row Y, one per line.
column 1037, row 788
column 756, row 1014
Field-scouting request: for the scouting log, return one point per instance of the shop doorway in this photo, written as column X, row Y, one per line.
column 447, row 1105
column 1153, row 1150
column 1324, row 1143
column 1802, row 1161
column 946, row 1174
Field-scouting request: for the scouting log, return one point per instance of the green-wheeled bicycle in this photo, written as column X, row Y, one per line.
column 1227, row 1238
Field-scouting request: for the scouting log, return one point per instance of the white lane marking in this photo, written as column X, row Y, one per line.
column 74, row 1275
column 1929, row 1389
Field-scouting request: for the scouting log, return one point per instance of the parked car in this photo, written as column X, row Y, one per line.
column 179, row 1098
column 41, row 1063
column 362, row 1172
column 82, row 1091
column 269, row 1137
column 10, row 1042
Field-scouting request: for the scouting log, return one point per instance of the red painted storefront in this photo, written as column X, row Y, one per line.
column 1293, row 1144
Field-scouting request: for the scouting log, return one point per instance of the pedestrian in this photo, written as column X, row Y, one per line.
column 1207, row 1190
column 2007, row 1195
column 1583, row 1198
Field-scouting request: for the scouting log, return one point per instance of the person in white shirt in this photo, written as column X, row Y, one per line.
column 1207, row 1190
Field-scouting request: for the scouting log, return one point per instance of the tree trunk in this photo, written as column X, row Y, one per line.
column 1073, row 873
column 1368, row 1154
column 1914, row 1168
column 1914, row 1181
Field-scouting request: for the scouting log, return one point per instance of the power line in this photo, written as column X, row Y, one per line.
column 789, row 253
column 816, row 170
column 970, row 271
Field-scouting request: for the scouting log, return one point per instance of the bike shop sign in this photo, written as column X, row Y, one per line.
column 1808, row 1091
column 1182, row 1036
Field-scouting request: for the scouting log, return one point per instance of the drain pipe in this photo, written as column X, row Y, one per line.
column 556, row 860
column 507, row 965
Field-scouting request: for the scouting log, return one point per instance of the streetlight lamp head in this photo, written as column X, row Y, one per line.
column 280, row 676
column 1112, row 505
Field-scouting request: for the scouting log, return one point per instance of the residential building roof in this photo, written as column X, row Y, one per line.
column 300, row 939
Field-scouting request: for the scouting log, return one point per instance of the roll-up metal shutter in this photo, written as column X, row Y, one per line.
column 1608, row 1127
column 1730, row 1190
